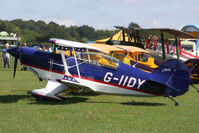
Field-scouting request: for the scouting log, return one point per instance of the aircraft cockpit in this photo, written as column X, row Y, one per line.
column 98, row 59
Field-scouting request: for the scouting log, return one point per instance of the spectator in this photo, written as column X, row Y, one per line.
column 6, row 56
column 50, row 49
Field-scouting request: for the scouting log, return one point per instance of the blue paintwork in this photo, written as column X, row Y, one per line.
column 170, row 79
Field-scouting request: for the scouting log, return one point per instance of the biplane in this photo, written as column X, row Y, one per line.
column 83, row 70
column 158, row 45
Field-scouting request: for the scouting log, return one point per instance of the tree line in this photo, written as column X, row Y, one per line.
column 40, row 32
column 32, row 32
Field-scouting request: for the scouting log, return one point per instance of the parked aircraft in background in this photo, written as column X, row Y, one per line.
column 162, row 44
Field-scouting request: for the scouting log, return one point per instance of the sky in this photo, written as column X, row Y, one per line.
column 104, row 14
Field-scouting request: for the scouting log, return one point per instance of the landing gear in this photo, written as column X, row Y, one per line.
column 176, row 103
column 40, row 79
column 53, row 88
column 195, row 88
column 61, row 96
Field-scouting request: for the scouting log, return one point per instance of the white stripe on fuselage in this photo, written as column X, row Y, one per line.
column 94, row 85
column 106, row 88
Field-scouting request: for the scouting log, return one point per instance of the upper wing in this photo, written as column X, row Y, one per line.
column 63, row 44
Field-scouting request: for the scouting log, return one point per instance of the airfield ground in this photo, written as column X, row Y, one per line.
column 21, row 113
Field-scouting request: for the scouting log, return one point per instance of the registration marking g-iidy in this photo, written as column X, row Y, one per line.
column 127, row 81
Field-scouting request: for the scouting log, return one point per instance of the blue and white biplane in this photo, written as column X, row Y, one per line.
column 83, row 70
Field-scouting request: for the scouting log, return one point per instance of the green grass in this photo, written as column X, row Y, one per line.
column 21, row 113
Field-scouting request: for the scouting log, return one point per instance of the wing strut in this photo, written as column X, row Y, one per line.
column 65, row 64
column 77, row 66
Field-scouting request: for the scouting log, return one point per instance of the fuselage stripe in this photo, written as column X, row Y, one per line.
column 124, row 87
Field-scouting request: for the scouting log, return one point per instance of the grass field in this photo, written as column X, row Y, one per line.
column 21, row 113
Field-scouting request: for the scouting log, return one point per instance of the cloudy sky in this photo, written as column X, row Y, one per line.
column 104, row 14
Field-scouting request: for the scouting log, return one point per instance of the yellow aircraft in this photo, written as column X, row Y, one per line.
column 130, row 55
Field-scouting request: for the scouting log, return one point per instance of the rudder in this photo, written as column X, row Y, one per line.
column 175, row 75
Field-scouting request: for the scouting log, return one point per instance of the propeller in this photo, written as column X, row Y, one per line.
column 15, row 66
column 16, row 52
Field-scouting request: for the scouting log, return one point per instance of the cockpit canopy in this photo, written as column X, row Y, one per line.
column 99, row 59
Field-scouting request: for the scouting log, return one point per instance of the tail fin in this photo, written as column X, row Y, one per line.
column 175, row 75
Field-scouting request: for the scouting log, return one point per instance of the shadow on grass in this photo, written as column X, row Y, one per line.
column 16, row 98
column 12, row 98
column 143, row 104
column 132, row 103
column 68, row 100
column 82, row 94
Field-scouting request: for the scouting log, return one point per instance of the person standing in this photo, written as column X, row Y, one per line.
column 50, row 49
column 6, row 56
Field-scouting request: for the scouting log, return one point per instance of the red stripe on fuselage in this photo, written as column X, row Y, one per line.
column 124, row 87
column 42, row 68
